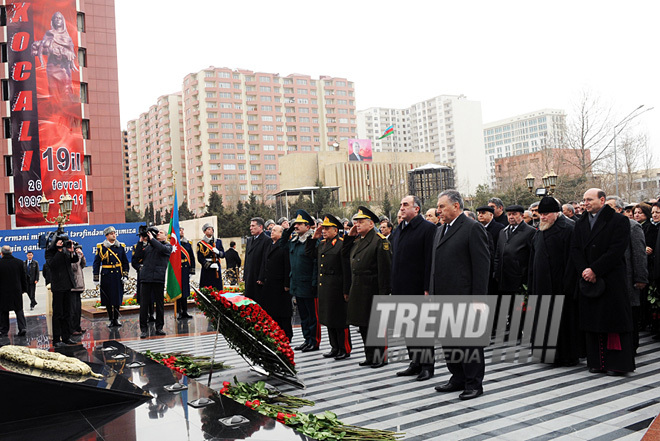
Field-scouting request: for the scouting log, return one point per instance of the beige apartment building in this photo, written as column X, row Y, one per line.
column 228, row 130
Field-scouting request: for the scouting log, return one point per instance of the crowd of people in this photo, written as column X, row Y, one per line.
column 599, row 254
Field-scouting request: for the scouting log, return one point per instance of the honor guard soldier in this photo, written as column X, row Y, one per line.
column 370, row 259
column 111, row 272
column 209, row 253
column 187, row 269
column 334, row 282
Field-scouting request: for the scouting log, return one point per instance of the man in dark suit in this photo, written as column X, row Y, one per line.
column 254, row 255
column 485, row 216
column 233, row 262
column 59, row 259
column 14, row 284
column 460, row 266
column 412, row 246
column 599, row 244
column 32, row 271
column 512, row 253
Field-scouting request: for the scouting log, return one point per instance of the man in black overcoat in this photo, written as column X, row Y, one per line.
column 460, row 266
column 14, row 284
column 485, row 216
column 412, row 246
column 552, row 274
column 276, row 300
column 59, row 259
column 598, row 249
column 233, row 262
column 32, row 271
column 512, row 255
column 255, row 251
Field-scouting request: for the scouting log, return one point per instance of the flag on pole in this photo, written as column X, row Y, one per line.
column 173, row 285
column 389, row 131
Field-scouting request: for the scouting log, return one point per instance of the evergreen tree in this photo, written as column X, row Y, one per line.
column 387, row 206
column 168, row 216
column 322, row 200
column 215, row 206
column 158, row 219
column 132, row 216
column 184, row 212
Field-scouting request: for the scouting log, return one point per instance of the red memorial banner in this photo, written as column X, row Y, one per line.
column 46, row 115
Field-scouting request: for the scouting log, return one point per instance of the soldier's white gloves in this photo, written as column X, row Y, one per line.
column 214, row 266
column 124, row 280
column 96, row 283
column 216, row 251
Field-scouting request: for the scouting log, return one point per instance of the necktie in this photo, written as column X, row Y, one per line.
column 445, row 229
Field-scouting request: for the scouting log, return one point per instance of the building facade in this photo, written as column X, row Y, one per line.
column 156, row 155
column 235, row 125
column 102, row 159
column 447, row 126
column 523, row 134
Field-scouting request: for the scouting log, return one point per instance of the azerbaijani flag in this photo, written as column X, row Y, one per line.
column 173, row 285
column 389, row 131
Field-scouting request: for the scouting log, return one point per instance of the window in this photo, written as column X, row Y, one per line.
column 268, row 137
column 9, row 201
column 267, row 128
column 81, row 21
column 85, row 129
column 223, row 85
column 90, row 201
column 227, row 146
column 83, row 93
column 228, row 156
column 264, row 79
column 271, row 177
column 82, row 57
column 7, row 127
column 254, row 157
column 229, row 167
column 301, row 81
column 226, row 126
column 264, row 88
column 270, row 166
column 87, row 164
column 269, row 158
column 9, row 167
column 225, row 135
column 266, row 108
column 269, row 147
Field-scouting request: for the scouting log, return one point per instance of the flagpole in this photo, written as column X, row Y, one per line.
column 172, row 214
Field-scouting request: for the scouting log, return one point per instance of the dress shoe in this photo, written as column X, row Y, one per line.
column 300, row 347
column 160, row 332
column 409, row 371
column 448, row 387
column 365, row 363
column 615, row 374
column 76, row 333
column 70, row 342
column 185, row 315
column 310, row 348
column 380, row 364
column 469, row 394
column 59, row 344
column 31, row 308
column 21, row 333
column 426, row 374
column 118, row 323
column 596, row 371
column 342, row 356
column 333, row 353
column 111, row 324
column 144, row 334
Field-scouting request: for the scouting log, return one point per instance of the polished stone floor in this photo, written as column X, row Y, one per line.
column 521, row 400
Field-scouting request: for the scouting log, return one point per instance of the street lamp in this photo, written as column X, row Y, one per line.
column 549, row 183
column 530, row 181
column 66, row 207
column 632, row 115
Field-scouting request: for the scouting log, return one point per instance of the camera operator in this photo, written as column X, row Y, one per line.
column 60, row 256
column 110, row 273
column 136, row 262
column 77, row 290
column 152, row 279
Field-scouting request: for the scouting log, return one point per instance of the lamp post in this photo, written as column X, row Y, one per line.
column 66, row 207
column 632, row 115
column 549, row 183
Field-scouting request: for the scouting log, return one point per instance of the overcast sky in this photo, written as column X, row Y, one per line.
column 512, row 56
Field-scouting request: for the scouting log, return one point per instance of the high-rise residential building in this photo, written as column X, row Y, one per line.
column 235, row 124
column 521, row 134
column 449, row 126
column 88, row 164
column 127, row 174
column 156, row 155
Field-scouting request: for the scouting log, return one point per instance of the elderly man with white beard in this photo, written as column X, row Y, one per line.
column 552, row 274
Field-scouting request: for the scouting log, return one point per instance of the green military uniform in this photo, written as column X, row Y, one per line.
column 371, row 264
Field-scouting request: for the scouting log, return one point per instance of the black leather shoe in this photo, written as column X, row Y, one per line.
column 185, row 315
column 342, row 356
column 68, row 341
column 426, row 374
column 615, row 374
column 144, row 334
column 365, row 363
column 469, row 394
column 160, row 332
column 59, row 344
column 596, row 371
column 310, row 348
column 300, row 347
column 111, row 324
column 409, row 371
column 331, row 354
column 448, row 387
column 118, row 323
column 21, row 333
column 379, row 364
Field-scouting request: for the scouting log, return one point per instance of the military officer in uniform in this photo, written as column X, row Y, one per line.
column 111, row 272
column 370, row 259
column 209, row 253
column 334, row 281
column 187, row 269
